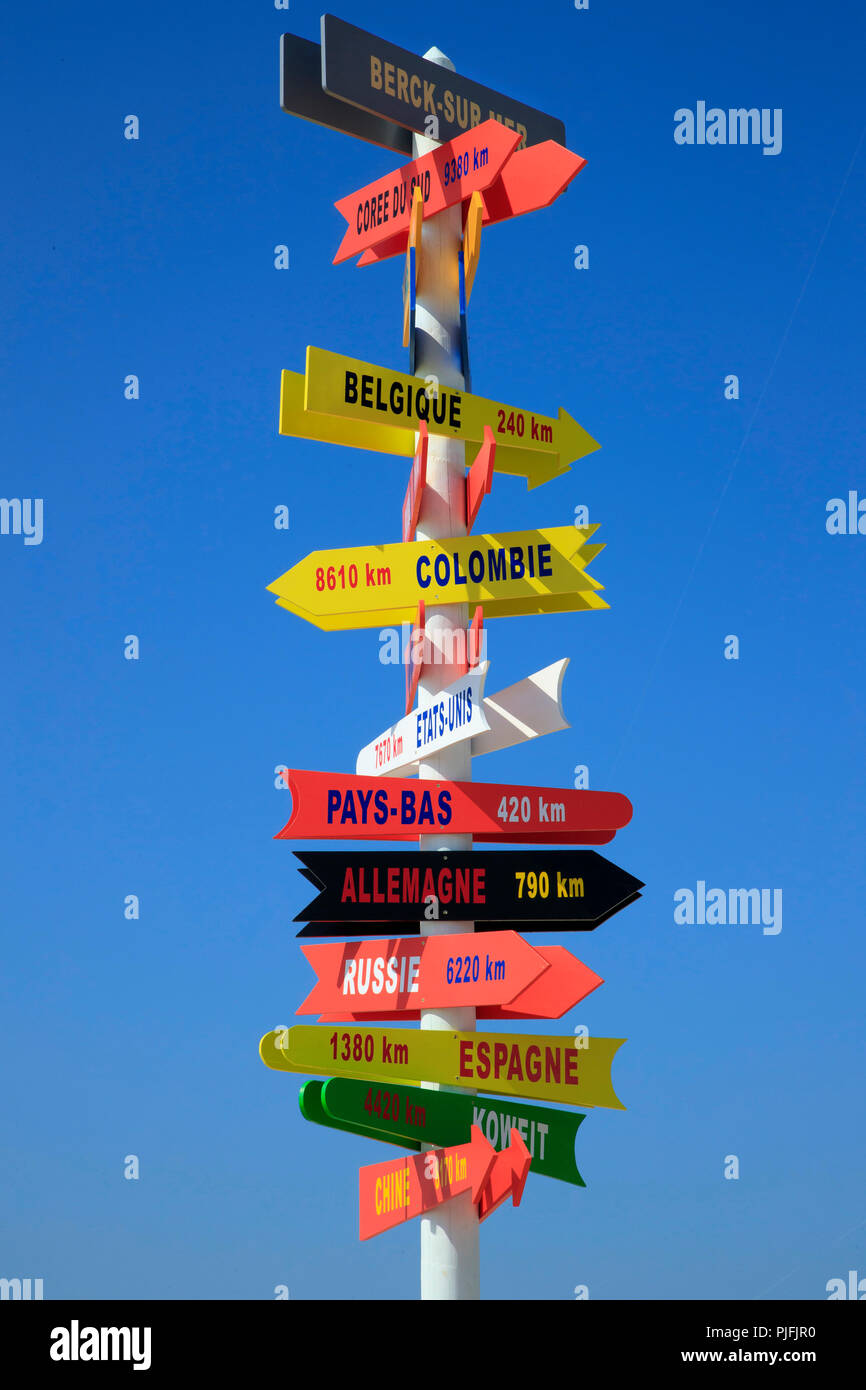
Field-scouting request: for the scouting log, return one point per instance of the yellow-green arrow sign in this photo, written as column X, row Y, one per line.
column 515, row 573
column 380, row 409
column 538, row 1067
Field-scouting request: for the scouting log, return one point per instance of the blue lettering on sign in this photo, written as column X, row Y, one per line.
column 445, row 716
column 496, row 563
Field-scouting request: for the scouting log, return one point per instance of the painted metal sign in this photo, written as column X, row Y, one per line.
column 445, row 176
column 397, row 85
column 301, row 94
column 393, row 1192
column 523, row 711
column 373, row 395
column 416, row 485
column 464, row 886
column 299, row 422
column 506, row 1177
column 513, row 574
column 451, row 716
column 550, row 995
column 312, row 1109
column 411, row 1116
column 565, row 1070
column 532, row 179
column 333, row 805
column 431, row 972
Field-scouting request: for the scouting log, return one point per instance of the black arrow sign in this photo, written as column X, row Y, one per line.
column 392, row 83
column 347, row 930
column 499, row 889
column 301, row 95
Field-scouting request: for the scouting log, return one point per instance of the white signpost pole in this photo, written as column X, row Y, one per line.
column 450, row 1267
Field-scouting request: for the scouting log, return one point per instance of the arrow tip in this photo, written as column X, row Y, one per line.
column 577, row 442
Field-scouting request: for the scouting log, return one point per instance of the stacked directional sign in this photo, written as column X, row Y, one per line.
column 497, row 159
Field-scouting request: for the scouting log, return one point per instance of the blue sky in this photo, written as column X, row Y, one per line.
column 156, row 777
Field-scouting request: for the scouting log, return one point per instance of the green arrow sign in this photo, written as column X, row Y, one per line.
column 410, row 1115
column 310, row 1101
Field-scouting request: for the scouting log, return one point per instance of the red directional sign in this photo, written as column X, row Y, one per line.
column 384, row 978
column 479, row 479
column 506, row 1178
column 446, row 176
column 531, row 179
column 390, row 1193
column 415, row 487
column 552, row 994
column 332, row 805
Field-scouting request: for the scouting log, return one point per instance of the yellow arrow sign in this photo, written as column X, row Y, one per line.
column 354, row 390
column 515, row 573
column 343, row 401
column 330, row 429
column 536, row 1066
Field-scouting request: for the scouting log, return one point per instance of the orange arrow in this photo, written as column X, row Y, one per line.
column 479, row 479
column 392, row 977
column 445, row 176
column 533, row 178
column 529, row 183
column 394, row 1192
column 507, row 1177
column 553, row 992
column 561, row 984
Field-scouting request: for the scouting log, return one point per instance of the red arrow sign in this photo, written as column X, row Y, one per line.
column 479, row 479
column 415, row 487
column 428, row 972
column 390, row 1193
column 506, row 1178
column 532, row 179
column 554, row 990
column 331, row 805
column 445, row 176
column 529, row 183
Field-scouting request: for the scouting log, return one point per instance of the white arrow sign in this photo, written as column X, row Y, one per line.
column 525, row 710
column 454, row 714
column 522, row 711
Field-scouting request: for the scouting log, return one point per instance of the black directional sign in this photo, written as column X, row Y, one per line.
column 392, row 83
column 301, row 94
column 500, row 890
